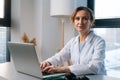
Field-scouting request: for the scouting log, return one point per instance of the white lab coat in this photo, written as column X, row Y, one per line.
column 90, row 60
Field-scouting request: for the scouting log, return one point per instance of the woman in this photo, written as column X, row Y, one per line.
column 86, row 51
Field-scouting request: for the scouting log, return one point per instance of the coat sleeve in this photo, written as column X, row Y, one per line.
column 61, row 57
column 96, row 64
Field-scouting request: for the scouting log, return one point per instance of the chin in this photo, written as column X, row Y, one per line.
column 80, row 30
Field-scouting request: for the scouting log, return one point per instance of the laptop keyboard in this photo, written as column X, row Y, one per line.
column 45, row 73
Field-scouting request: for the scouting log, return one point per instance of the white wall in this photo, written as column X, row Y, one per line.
column 33, row 17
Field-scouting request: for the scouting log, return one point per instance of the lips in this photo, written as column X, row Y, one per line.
column 81, row 26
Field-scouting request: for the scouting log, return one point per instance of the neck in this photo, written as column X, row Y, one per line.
column 83, row 36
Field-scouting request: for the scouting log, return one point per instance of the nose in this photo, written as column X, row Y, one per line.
column 80, row 21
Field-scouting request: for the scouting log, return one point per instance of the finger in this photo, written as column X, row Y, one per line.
column 51, row 69
column 46, row 69
column 43, row 65
column 46, row 63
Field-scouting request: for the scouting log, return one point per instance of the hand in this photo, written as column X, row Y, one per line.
column 56, row 69
column 44, row 64
column 51, row 69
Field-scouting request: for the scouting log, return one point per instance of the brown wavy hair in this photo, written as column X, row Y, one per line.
column 72, row 17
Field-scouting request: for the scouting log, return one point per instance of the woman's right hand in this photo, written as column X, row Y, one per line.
column 44, row 64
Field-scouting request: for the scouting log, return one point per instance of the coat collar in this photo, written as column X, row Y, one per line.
column 89, row 38
column 88, row 42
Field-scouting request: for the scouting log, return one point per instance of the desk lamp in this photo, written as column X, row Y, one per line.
column 61, row 9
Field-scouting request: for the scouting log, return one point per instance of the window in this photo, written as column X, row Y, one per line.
column 1, row 8
column 108, row 11
column 113, row 17
column 3, row 39
column 107, row 25
column 4, row 29
column 112, row 61
column 5, row 19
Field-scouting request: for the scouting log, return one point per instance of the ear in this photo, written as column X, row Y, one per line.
column 33, row 41
column 25, row 38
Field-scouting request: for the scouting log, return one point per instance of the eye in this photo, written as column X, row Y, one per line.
column 77, row 18
column 85, row 18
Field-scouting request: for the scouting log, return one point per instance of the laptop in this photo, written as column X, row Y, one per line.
column 26, row 61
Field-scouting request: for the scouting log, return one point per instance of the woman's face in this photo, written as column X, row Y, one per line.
column 82, row 21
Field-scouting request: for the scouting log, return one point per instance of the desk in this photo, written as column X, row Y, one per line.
column 8, row 72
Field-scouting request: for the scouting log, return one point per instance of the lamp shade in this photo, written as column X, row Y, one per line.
column 61, row 8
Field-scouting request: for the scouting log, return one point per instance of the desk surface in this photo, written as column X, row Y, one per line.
column 8, row 72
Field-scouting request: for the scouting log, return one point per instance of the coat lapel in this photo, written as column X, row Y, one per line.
column 88, row 44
